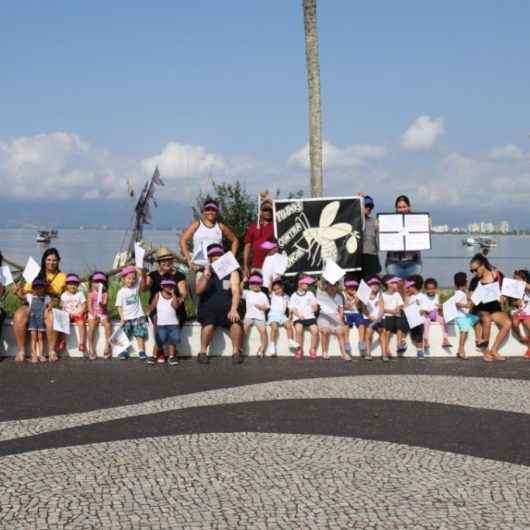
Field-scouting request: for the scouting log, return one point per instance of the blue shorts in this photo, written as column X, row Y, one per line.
column 136, row 328
column 167, row 335
column 355, row 319
column 466, row 323
column 403, row 269
column 36, row 322
column 279, row 318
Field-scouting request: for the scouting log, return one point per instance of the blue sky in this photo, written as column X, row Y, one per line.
column 94, row 92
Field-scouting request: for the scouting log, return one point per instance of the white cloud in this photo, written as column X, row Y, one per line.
column 508, row 151
column 338, row 158
column 423, row 133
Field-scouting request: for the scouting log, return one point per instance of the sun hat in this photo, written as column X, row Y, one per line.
column 393, row 279
column 215, row 249
column 72, row 278
column 269, row 245
column 374, row 281
column 351, row 283
column 99, row 277
column 127, row 270
column 163, row 254
column 39, row 282
column 255, row 279
column 210, row 204
column 305, row 279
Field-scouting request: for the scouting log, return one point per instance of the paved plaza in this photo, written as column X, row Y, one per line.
column 269, row 444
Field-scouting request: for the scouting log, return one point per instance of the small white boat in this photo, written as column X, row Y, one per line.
column 43, row 237
column 486, row 242
column 469, row 241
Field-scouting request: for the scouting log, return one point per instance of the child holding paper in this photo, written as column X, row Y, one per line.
column 257, row 304
column 374, row 314
column 392, row 321
column 331, row 318
column 98, row 299
column 39, row 303
column 73, row 301
column 129, row 304
column 302, row 308
column 353, row 315
column 521, row 311
column 431, row 308
column 413, row 296
column 465, row 320
column 278, row 316
column 273, row 265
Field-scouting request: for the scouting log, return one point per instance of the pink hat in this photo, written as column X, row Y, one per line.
column 210, row 206
column 255, row 279
column 168, row 281
column 351, row 283
column 127, row 270
column 99, row 277
column 307, row 280
column 409, row 283
column 374, row 281
column 72, row 278
column 215, row 249
column 269, row 245
column 393, row 279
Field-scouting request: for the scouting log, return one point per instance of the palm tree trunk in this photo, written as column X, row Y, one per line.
column 313, row 81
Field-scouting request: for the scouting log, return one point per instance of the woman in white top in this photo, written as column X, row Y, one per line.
column 205, row 231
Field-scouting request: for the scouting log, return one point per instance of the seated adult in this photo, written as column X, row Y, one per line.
column 56, row 283
column 218, row 306
column 165, row 260
column 256, row 234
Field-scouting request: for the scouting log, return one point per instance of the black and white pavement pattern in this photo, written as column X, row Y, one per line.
column 269, row 444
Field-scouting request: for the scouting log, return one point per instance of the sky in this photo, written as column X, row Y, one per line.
column 424, row 98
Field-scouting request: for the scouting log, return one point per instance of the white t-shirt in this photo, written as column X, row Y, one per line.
column 253, row 299
column 166, row 314
column 461, row 298
column 303, row 304
column 349, row 305
column 372, row 306
column 273, row 265
column 71, row 303
column 279, row 303
column 391, row 302
column 430, row 303
column 526, row 304
column 128, row 298
column 329, row 305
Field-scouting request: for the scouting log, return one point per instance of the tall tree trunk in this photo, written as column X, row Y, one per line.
column 313, row 81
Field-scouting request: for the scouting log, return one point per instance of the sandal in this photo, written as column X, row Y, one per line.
column 488, row 358
column 92, row 356
column 346, row 359
column 20, row 357
column 499, row 357
column 34, row 360
column 107, row 354
column 53, row 357
column 462, row 356
column 237, row 358
column 325, row 356
column 42, row 359
column 202, row 358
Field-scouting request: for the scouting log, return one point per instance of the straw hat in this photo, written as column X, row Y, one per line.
column 163, row 253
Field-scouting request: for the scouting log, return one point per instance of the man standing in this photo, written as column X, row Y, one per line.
column 256, row 234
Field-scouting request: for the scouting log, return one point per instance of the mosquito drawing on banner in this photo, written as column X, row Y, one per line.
column 313, row 231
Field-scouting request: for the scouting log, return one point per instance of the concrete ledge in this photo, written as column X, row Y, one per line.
column 222, row 345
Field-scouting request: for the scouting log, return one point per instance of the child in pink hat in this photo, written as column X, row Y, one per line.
column 257, row 304
column 392, row 321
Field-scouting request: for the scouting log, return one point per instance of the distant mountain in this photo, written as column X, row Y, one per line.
column 88, row 213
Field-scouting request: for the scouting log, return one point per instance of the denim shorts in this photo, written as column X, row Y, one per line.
column 167, row 335
column 404, row 269
column 136, row 328
column 356, row 319
column 36, row 322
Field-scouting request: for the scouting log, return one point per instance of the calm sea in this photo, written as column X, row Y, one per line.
column 87, row 250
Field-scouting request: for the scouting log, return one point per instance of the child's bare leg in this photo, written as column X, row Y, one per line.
column 34, row 346
column 426, row 332
column 246, row 331
column 140, row 341
column 313, row 329
column 324, row 342
column 105, row 322
column 385, row 339
column 341, row 337
column 172, row 350
column 299, row 328
column 90, row 336
column 40, row 346
column 274, row 333
column 462, row 338
column 361, row 331
column 262, row 330
column 368, row 335
column 288, row 325
column 445, row 331
column 82, row 336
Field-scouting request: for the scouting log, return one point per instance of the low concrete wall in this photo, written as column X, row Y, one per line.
column 222, row 345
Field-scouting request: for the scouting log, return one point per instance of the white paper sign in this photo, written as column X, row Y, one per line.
column 450, row 311
column 476, row 296
column 31, row 271
column 486, row 293
column 390, row 223
column 513, row 288
column 139, row 254
column 363, row 292
column 61, row 321
column 417, row 223
column 120, row 340
column 226, row 264
column 420, row 241
column 391, row 242
column 281, row 265
column 414, row 317
column 6, row 278
column 332, row 272
column 99, row 298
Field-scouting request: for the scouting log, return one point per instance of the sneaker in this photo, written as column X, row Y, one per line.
column 420, row 355
column 299, row 354
column 142, row 355
column 293, row 345
column 124, row 355
column 362, row 346
column 173, row 361
column 385, row 358
column 527, row 354
column 161, row 359
column 151, row 360
column 202, row 358
column 402, row 348
column 368, row 356
column 313, row 354
column 347, row 347
column 427, row 351
column 237, row 358
column 272, row 349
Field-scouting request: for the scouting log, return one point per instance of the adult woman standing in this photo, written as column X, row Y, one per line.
column 492, row 311
column 403, row 264
column 205, row 231
column 218, row 306
column 56, row 282
column 370, row 257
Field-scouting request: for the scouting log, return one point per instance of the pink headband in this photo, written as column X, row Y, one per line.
column 409, row 283
column 218, row 250
column 374, row 281
column 73, row 278
column 127, row 270
column 210, row 206
column 168, row 281
column 268, row 245
column 255, row 279
column 307, row 280
column 351, row 283
column 394, row 279
column 99, row 277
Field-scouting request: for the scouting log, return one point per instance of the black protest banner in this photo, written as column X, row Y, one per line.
column 311, row 231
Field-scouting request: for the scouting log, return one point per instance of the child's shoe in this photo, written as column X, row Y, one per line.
column 385, row 357
column 362, row 348
column 527, row 355
column 313, row 355
column 293, row 345
column 173, row 361
column 272, row 350
column 151, row 361
column 347, row 348
column 161, row 359
column 420, row 355
column 142, row 355
column 124, row 355
column 402, row 348
column 299, row 354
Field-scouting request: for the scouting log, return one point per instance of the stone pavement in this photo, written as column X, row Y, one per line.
column 270, row 444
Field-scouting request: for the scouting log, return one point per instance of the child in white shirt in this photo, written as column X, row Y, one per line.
column 521, row 312
column 279, row 304
column 374, row 314
column 257, row 303
column 302, row 308
column 274, row 264
column 432, row 311
column 73, row 301
column 414, row 296
column 392, row 322
column 465, row 320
